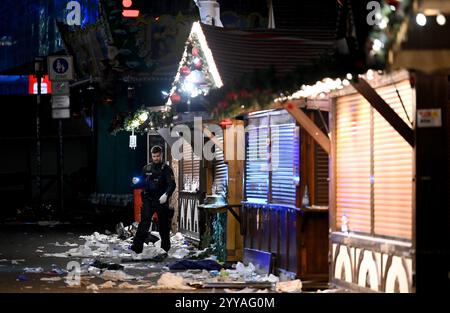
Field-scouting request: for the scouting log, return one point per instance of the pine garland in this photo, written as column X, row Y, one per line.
column 141, row 121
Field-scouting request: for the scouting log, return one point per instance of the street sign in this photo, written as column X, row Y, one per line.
column 60, row 88
column 60, row 113
column 60, row 68
column 60, row 102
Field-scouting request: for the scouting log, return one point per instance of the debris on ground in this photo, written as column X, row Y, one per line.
column 109, row 266
column 52, row 279
column 49, row 223
column 22, row 278
column 289, row 286
column 116, row 275
column 15, row 262
column 107, row 285
column 108, row 257
column 66, row 244
column 201, row 264
column 246, row 290
column 33, row 269
column 127, row 285
column 245, row 271
column 92, row 287
column 172, row 282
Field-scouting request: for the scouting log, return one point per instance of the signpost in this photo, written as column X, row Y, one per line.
column 60, row 71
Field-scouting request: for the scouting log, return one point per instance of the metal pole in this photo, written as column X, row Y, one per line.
column 60, row 168
column 38, row 66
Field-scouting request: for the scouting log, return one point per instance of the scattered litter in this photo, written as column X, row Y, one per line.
column 131, row 286
column 245, row 271
column 179, row 253
column 246, row 290
column 109, row 266
column 116, row 275
column 17, row 261
column 201, row 264
column 66, row 244
column 52, row 279
column 107, row 285
column 73, row 283
column 33, row 269
column 58, row 271
column 92, row 287
column 289, row 286
column 56, row 255
column 150, row 252
column 105, row 246
column 48, row 223
column 271, row 278
column 21, row 278
column 171, row 281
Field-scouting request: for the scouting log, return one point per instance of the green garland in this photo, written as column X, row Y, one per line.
column 219, row 236
column 141, row 121
column 386, row 31
column 257, row 90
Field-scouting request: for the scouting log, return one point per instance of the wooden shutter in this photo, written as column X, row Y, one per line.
column 393, row 167
column 190, row 164
column 353, row 191
column 284, row 158
column 374, row 165
column 321, row 165
column 256, row 165
column 220, row 168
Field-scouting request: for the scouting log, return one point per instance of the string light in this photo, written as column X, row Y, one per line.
column 441, row 20
column 421, row 19
column 325, row 86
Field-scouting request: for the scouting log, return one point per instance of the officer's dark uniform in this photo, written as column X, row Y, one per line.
column 157, row 180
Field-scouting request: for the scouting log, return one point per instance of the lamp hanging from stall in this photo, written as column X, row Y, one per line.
column 133, row 140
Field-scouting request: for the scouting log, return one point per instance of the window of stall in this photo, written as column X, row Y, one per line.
column 272, row 154
column 374, row 165
column 190, row 169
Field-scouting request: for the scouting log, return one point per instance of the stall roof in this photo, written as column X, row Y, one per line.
column 237, row 52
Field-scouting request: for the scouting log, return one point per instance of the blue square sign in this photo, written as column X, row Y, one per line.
column 60, row 67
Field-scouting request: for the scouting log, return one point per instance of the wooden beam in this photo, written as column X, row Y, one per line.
column 363, row 87
column 309, row 125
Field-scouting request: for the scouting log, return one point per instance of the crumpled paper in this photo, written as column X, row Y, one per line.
column 171, row 281
column 289, row 286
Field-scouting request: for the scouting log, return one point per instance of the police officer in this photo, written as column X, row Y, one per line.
column 158, row 185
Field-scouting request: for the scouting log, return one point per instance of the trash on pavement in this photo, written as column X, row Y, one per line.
column 92, row 287
column 116, row 275
column 22, row 278
column 33, row 269
column 289, row 286
column 107, row 285
column 17, row 261
column 201, row 264
column 52, row 279
column 127, row 285
column 109, row 266
column 171, row 281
